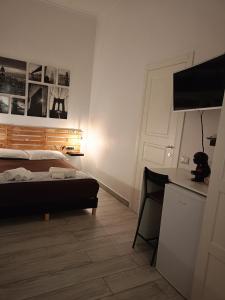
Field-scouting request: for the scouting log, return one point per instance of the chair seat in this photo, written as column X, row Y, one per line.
column 156, row 196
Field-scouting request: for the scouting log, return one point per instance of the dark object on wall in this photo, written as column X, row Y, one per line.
column 201, row 86
column 63, row 77
column 212, row 140
column 202, row 169
column 12, row 76
column 35, row 72
column 47, row 87
column 18, row 106
column 4, row 104
column 58, row 101
column 37, row 100
column 58, row 109
column 50, row 74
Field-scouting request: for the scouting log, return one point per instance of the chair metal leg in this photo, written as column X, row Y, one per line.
column 154, row 253
column 139, row 221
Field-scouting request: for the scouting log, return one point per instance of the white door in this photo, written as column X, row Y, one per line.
column 209, row 279
column 161, row 127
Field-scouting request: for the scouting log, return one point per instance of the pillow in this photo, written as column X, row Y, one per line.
column 44, row 154
column 13, row 153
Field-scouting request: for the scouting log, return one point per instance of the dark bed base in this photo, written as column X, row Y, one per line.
column 47, row 197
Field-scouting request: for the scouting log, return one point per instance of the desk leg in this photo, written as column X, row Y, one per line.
column 94, row 211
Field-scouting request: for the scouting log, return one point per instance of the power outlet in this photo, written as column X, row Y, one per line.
column 184, row 160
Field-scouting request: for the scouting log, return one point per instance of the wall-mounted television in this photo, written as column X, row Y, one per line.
column 200, row 87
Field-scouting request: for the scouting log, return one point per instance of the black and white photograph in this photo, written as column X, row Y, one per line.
column 37, row 100
column 4, row 104
column 18, row 106
column 63, row 77
column 50, row 74
column 58, row 102
column 35, row 72
column 12, row 76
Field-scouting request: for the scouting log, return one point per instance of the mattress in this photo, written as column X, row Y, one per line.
column 33, row 165
column 45, row 196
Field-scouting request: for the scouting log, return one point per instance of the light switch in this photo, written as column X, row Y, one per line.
column 184, row 160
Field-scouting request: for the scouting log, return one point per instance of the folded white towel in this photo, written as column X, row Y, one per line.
column 18, row 174
column 62, row 173
column 58, row 175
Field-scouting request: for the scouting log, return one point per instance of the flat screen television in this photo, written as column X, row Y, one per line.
column 200, row 87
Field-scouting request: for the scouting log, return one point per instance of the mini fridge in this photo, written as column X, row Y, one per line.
column 179, row 236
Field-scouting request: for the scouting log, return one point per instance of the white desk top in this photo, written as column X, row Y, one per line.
column 182, row 178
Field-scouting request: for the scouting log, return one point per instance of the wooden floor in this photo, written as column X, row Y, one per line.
column 78, row 256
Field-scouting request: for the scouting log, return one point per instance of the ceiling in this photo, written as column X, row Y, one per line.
column 93, row 7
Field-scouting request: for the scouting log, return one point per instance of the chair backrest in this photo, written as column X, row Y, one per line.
column 159, row 180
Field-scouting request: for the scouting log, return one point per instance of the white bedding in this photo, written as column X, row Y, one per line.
column 44, row 176
column 18, row 174
column 61, row 173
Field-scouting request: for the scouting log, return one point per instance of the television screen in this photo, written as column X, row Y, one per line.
column 200, row 87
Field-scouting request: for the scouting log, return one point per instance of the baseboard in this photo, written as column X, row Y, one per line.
column 114, row 194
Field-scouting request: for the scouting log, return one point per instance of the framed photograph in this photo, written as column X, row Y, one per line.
column 50, row 74
column 4, row 104
column 18, row 106
column 37, row 100
column 58, row 102
column 35, row 72
column 63, row 77
column 12, row 76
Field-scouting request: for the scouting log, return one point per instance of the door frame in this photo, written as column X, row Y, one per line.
column 186, row 58
column 209, row 245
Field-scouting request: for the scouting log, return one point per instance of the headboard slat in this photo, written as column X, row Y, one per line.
column 27, row 137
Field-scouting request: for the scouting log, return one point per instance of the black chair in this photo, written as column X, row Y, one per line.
column 154, row 186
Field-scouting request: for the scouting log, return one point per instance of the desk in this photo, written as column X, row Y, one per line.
column 182, row 178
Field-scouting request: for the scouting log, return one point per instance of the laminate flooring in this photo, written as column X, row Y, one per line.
column 78, row 256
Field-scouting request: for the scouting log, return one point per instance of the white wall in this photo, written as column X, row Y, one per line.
column 192, row 139
column 34, row 31
column 133, row 35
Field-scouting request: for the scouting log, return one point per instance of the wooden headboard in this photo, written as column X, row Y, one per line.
column 26, row 137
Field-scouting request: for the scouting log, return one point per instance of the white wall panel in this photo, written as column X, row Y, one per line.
column 136, row 34
column 38, row 32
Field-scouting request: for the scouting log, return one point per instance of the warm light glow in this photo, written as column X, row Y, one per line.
column 95, row 143
column 75, row 141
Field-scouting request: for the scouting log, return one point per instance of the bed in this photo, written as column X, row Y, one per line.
column 44, row 196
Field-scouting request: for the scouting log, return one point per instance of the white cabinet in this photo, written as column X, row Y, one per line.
column 179, row 236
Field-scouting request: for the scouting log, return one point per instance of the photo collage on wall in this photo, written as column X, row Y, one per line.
column 33, row 89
